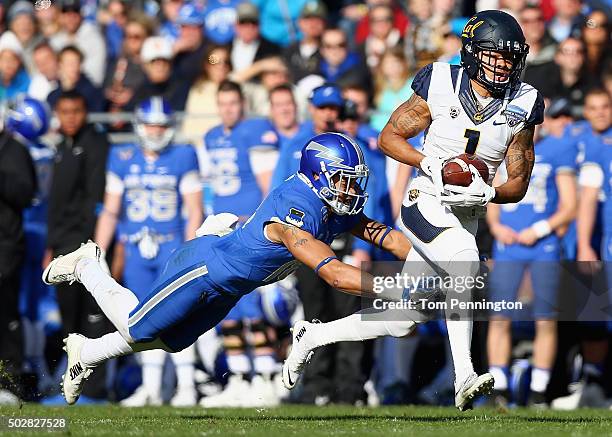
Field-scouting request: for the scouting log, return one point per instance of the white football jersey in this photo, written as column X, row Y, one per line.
column 459, row 123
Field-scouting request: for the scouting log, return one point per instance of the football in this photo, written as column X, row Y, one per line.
column 456, row 170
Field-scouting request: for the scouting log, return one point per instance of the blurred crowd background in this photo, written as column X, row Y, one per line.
column 94, row 61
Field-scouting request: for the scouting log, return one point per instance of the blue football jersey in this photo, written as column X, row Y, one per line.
column 291, row 153
column 552, row 156
column 151, row 189
column 246, row 259
column 232, row 179
column 598, row 151
column 42, row 156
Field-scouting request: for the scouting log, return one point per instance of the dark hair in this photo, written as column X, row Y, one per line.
column 230, row 86
column 282, row 87
column 73, row 49
column 597, row 91
column 70, row 95
column 44, row 44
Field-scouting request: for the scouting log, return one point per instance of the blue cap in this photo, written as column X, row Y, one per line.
column 189, row 15
column 326, row 95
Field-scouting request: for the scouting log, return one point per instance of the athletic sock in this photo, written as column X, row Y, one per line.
column 357, row 327
column 500, row 373
column 152, row 367
column 539, row 379
column 593, row 372
column 114, row 300
column 184, row 361
column 239, row 364
column 265, row 364
column 460, row 338
column 96, row 351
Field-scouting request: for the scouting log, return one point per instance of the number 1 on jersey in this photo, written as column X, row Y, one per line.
column 473, row 137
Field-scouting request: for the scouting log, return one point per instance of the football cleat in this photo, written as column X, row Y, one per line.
column 472, row 387
column 232, row 396
column 184, row 397
column 581, row 395
column 141, row 398
column 300, row 355
column 63, row 268
column 76, row 372
column 262, row 393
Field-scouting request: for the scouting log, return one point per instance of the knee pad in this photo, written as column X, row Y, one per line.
column 260, row 335
column 233, row 336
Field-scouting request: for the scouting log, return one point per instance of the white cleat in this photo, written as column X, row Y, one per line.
column 582, row 395
column 141, row 398
column 77, row 372
column 184, row 397
column 232, row 396
column 62, row 268
column 262, row 393
column 300, row 355
column 472, row 387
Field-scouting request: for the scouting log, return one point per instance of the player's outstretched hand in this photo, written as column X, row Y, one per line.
column 432, row 167
column 478, row 193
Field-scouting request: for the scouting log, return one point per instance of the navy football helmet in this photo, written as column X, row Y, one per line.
column 154, row 111
column 334, row 167
column 493, row 31
column 28, row 118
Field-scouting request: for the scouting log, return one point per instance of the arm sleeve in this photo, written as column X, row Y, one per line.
column 566, row 158
column 591, row 171
column 263, row 160
column 280, row 172
column 190, row 179
column 421, row 81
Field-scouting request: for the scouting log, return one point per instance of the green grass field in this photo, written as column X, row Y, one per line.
column 315, row 421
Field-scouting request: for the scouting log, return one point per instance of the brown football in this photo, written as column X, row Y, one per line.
column 456, row 170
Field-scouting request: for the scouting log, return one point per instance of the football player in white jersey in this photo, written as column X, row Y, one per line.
column 480, row 108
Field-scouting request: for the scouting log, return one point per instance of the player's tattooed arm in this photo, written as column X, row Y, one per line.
column 310, row 252
column 520, row 158
column 410, row 118
column 373, row 231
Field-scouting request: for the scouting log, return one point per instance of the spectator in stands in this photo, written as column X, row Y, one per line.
column 14, row 79
column 220, row 20
column 71, row 78
column 189, row 47
column 303, row 57
column 114, row 18
column 17, row 189
column 156, row 56
column 86, row 36
column 565, row 76
column 541, row 45
column 339, row 65
column 283, row 113
column 392, row 82
column 22, row 23
column 48, row 20
column 46, row 78
column 383, row 36
column 567, row 19
column 170, row 10
column 76, row 193
column 596, row 37
column 278, row 19
column 248, row 45
column 400, row 20
column 125, row 74
column 423, row 41
column 201, row 107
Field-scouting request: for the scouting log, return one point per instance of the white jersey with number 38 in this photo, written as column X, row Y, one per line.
column 461, row 125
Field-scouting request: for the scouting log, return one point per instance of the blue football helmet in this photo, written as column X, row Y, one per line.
column 334, row 167
column 154, row 111
column 28, row 118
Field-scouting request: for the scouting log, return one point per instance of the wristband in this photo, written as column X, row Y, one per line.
column 387, row 231
column 541, row 228
column 324, row 263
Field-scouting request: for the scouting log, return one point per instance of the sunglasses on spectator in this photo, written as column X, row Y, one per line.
column 341, row 45
column 249, row 21
column 532, row 20
column 571, row 51
column 592, row 24
column 215, row 60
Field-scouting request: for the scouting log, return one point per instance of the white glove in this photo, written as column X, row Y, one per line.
column 478, row 193
column 148, row 247
column 103, row 262
column 218, row 224
column 432, row 167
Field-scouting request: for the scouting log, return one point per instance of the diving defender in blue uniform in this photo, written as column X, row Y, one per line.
column 205, row 277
